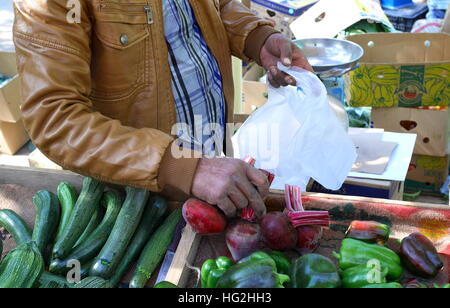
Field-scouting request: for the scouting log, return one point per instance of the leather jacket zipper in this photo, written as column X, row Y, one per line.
column 149, row 12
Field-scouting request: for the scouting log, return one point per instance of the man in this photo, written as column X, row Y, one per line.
column 105, row 81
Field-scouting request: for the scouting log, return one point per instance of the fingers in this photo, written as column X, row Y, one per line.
column 228, row 207
column 258, row 179
column 278, row 78
column 255, row 200
column 238, row 198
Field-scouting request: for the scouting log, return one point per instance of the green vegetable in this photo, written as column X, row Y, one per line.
column 126, row 224
column 391, row 285
column 282, row 261
column 154, row 251
column 67, row 196
column 354, row 252
column 15, row 226
column 313, row 271
column 93, row 283
column 1, row 249
column 48, row 212
column 93, row 224
column 253, row 274
column 86, row 205
column 362, row 275
column 212, row 270
column 50, row 281
column 152, row 217
column 165, row 285
column 22, row 267
column 89, row 249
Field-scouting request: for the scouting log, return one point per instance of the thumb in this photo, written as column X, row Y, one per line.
column 286, row 52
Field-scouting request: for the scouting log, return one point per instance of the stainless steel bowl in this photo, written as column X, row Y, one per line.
column 331, row 57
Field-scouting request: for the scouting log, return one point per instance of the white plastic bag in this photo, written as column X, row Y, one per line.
column 296, row 136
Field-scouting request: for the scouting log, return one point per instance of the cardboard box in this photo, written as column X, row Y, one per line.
column 427, row 174
column 328, row 18
column 431, row 127
column 10, row 93
column 401, row 70
column 365, row 188
column 281, row 12
column 12, row 137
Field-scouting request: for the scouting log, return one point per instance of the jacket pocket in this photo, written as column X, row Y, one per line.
column 119, row 47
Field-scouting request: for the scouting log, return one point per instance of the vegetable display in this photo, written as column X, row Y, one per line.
column 85, row 206
column 369, row 231
column 213, row 270
column 354, row 253
column 48, row 212
column 260, row 273
column 154, row 251
column 119, row 238
column 15, row 226
column 314, row 271
column 22, row 267
column 420, row 256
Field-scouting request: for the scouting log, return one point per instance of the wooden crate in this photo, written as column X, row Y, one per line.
column 184, row 259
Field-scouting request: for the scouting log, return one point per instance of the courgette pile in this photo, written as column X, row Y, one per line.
column 92, row 238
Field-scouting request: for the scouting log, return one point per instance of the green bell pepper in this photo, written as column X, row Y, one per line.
column 254, row 273
column 281, row 260
column 212, row 270
column 391, row 285
column 354, row 252
column 314, row 271
column 362, row 275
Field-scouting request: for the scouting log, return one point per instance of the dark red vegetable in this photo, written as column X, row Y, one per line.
column 420, row 256
column 203, row 218
column 277, row 232
column 309, row 239
column 308, row 223
column 243, row 238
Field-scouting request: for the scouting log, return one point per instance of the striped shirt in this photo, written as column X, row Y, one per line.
column 196, row 80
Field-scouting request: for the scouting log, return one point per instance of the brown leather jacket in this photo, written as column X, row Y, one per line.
column 97, row 96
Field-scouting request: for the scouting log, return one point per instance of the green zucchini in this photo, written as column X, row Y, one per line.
column 89, row 249
column 155, row 250
column 93, row 224
column 15, row 225
column 126, row 224
column 50, row 281
column 22, row 267
column 67, row 196
column 48, row 212
column 93, row 283
column 153, row 215
column 86, row 205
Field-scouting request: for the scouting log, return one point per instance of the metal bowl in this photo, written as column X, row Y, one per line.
column 331, row 57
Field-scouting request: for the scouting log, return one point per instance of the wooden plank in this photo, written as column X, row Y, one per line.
column 179, row 272
column 45, row 179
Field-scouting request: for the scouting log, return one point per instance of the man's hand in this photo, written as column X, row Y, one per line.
column 276, row 49
column 231, row 184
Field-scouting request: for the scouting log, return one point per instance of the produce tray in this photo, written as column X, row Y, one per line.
column 404, row 217
column 17, row 187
